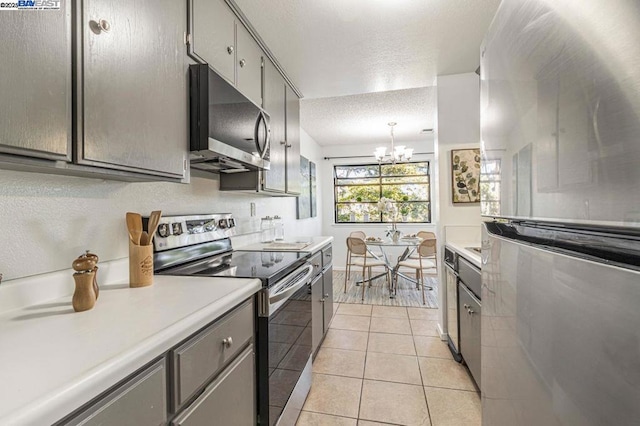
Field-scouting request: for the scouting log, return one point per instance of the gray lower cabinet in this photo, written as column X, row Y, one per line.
column 133, row 86
column 327, row 296
column 228, row 400
column 317, row 312
column 321, row 295
column 205, row 355
column 141, row 400
column 469, row 309
column 211, row 380
column 35, row 83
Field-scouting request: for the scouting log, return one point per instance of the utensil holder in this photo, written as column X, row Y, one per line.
column 140, row 265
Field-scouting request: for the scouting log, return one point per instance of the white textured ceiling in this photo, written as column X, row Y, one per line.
column 335, row 48
column 362, row 119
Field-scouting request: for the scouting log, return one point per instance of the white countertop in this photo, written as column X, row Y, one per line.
column 315, row 244
column 461, row 249
column 53, row 360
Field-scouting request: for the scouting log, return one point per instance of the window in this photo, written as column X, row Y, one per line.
column 359, row 188
column 490, row 187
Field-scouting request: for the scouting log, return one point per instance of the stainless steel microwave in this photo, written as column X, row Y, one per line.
column 228, row 132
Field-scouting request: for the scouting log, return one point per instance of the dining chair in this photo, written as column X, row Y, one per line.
column 350, row 255
column 423, row 235
column 357, row 246
column 427, row 261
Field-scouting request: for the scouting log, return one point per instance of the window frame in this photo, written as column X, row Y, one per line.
column 381, row 185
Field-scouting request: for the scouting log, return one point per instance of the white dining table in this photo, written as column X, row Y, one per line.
column 409, row 244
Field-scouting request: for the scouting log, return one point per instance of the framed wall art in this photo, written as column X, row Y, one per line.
column 465, row 175
column 304, row 199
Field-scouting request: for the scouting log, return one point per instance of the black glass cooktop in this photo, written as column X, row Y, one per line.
column 268, row 266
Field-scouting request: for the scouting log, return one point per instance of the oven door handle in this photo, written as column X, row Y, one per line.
column 289, row 291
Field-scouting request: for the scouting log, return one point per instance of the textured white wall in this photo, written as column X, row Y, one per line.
column 48, row 220
column 458, row 128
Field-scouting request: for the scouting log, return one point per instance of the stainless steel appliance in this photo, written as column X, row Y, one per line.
column 451, row 278
column 469, row 313
column 229, row 133
column 284, row 304
column 560, row 96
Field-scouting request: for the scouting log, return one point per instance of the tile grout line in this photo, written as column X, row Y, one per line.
column 424, row 391
column 364, row 368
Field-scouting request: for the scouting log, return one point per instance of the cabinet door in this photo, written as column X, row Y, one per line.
column 327, row 295
column 293, row 142
column 35, row 82
column 249, row 65
column 229, row 400
column 470, row 311
column 274, row 105
column 134, row 86
column 317, row 312
column 140, row 401
column 212, row 28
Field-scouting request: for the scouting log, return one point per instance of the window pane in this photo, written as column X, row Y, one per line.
column 357, row 193
column 490, row 191
column 408, row 179
column 363, row 181
column 405, row 169
column 412, row 192
column 357, row 171
column 358, row 189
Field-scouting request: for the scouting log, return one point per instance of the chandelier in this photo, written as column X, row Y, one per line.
column 398, row 153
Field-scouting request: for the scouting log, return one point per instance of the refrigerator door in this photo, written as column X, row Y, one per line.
column 560, row 337
column 560, row 112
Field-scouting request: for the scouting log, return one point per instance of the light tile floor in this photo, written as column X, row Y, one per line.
column 385, row 365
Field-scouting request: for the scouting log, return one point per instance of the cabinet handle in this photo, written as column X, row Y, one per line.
column 322, row 300
column 229, row 50
column 326, row 295
column 285, row 144
column 104, row 25
column 466, row 306
column 227, row 342
column 242, row 62
column 315, row 265
column 99, row 26
column 328, row 254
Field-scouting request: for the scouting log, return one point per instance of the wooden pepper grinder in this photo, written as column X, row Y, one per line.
column 84, row 297
column 93, row 256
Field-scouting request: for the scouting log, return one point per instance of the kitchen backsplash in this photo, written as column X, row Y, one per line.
column 48, row 220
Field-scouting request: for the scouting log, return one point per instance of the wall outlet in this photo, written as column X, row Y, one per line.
column 253, row 209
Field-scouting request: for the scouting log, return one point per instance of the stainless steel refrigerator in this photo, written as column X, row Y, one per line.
column 560, row 185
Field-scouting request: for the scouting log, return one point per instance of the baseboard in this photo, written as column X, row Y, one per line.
column 443, row 336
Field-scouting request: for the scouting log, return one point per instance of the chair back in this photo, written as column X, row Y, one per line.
column 426, row 235
column 427, row 248
column 356, row 245
column 358, row 234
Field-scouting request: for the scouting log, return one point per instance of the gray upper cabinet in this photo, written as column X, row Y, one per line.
column 134, row 86
column 213, row 35
column 220, row 40
column 35, row 87
column 249, row 65
column 274, row 105
column 293, row 142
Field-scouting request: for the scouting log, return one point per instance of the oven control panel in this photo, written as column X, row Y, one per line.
column 182, row 231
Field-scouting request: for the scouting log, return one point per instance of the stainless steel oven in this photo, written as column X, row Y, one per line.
column 284, row 336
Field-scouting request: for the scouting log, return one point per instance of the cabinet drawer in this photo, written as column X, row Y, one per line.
column 142, row 400
column 199, row 359
column 327, row 254
column 229, row 400
column 470, row 276
column 316, row 261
